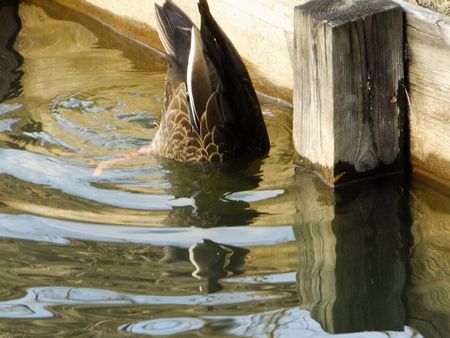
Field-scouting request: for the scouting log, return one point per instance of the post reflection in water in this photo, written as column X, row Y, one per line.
column 352, row 246
column 10, row 59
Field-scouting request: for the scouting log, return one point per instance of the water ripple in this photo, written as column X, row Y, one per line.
column 74, row 180
column 291, row 322
column 165, row 326
column 36, row 302
column 58, row 231
column 288, row 277
column 6, row 124
column 6, row 107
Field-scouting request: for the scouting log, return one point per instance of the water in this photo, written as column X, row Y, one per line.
column 155, row 248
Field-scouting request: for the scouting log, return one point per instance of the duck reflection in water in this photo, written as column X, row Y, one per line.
column 211, row 261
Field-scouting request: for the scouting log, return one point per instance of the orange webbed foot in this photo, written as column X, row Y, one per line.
column 121, row 158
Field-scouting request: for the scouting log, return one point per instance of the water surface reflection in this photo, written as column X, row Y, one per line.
column 352, row 258
column 156, row 248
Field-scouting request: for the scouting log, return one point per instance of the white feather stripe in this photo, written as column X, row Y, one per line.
column 190, row 68
column 162, row 33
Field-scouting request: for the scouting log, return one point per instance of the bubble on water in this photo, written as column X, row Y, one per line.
column 164, row 326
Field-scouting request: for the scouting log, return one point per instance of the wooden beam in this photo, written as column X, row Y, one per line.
column 270, row 23
column 349, row 105
column 428, row 41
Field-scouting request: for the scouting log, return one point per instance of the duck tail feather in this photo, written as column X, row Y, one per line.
column 172, row 21
column 218, row 43
column 238, row 99
column 227, row 61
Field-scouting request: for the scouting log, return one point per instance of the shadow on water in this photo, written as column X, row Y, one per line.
column 10, row 59
column 353, row 246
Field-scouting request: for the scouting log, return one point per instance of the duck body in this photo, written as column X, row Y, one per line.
column 211, row 112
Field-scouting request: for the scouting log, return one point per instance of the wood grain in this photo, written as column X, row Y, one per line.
column 352, row 240
column 348, row 102
column 428, row 38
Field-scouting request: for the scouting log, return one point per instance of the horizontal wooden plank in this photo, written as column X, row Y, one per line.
column 266, row 45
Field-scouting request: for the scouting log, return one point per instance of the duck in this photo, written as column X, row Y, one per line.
column 211, row 111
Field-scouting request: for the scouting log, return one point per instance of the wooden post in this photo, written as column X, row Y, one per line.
column 349, row 102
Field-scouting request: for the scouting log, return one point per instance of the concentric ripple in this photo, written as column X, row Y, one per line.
column 164, row 327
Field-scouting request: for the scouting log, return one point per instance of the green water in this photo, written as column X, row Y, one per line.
column 156, row 248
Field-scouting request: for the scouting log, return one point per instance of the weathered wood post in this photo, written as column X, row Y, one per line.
column 349, row 107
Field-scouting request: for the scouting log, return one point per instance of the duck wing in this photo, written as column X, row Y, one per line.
column 238, row 106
